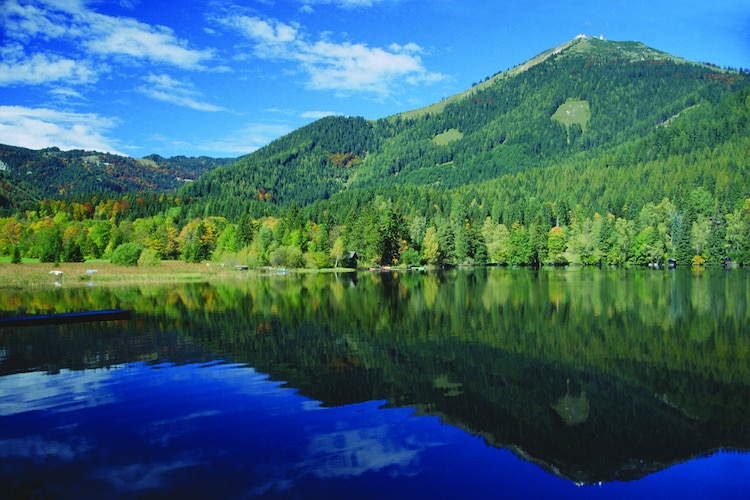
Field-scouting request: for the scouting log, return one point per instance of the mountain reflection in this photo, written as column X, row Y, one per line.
column 594, row 375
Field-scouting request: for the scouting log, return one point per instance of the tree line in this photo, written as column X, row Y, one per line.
column 381, row 230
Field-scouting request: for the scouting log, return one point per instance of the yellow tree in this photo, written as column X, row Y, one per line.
column 557, row 243
column 337, row 251
column 10, row 234
column 430, row 246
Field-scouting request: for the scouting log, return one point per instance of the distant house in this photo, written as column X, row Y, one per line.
column 349, row 259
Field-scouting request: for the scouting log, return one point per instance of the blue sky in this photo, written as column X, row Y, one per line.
column 222, row 78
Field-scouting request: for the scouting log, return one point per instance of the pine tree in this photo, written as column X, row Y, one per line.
column 716, row 243
column 16, row 258
column 683, row 249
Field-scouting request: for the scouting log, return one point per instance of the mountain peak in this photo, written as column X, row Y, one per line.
column 581, row 45
column 599, row 46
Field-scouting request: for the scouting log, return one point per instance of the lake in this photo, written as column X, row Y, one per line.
column 577, row 383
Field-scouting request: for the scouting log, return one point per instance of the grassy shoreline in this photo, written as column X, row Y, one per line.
column 32, row 273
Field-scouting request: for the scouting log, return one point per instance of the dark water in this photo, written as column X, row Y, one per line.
column 466, row 384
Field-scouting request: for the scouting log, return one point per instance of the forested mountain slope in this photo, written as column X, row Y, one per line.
column 306, row 165
column 587, row 99
column 595, row 152
column 33, row 175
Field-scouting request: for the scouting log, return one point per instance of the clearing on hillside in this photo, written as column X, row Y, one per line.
column 447, row 137
column 573, row 111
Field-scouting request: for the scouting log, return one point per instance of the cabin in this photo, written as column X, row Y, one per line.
column 349, row 259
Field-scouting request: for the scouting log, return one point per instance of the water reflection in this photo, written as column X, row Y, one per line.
column 593, row 375
column 185, row 426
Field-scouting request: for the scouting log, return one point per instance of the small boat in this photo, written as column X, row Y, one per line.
column 64, row 318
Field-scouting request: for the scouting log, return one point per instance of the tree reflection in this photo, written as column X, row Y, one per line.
column 595, row 374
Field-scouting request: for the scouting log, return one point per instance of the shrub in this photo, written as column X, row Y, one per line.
column 278, row 257
column 410, row 257
column 287, row 257
column 126, row 254
column 294, row 258
column 316, row 260
column 149, row 257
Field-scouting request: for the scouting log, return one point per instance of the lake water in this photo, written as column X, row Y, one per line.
column 462, row 384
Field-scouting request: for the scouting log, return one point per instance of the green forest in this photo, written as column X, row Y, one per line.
column 599, row 153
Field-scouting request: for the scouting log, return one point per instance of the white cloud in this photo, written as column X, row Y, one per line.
column 344, row 4
column 282, row 111
column 343, row 67
column 38, row 128
column 65, row 93
column 409, row 47
column 118, row 36
column 44, row 68
column 129, row 4
column 318, row 114
column 347, row 67
column 92, row 34
column 266, row 32
column 246, row 139
column 165, row 88
column 25, row 21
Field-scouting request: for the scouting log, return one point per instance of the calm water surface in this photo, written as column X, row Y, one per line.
column 465, row 384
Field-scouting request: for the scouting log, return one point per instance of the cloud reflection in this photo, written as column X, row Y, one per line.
column 38, row 449
column 142, row 477
column 65, row 391
column 138, row 430
column 355, row 452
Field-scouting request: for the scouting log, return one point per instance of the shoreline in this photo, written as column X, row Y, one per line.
column 103, row 273
column 33, row 274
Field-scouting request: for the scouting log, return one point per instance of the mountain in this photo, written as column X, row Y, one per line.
column 582, row 44
column 588, row 100
column 595, row 152
column 32, row 175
